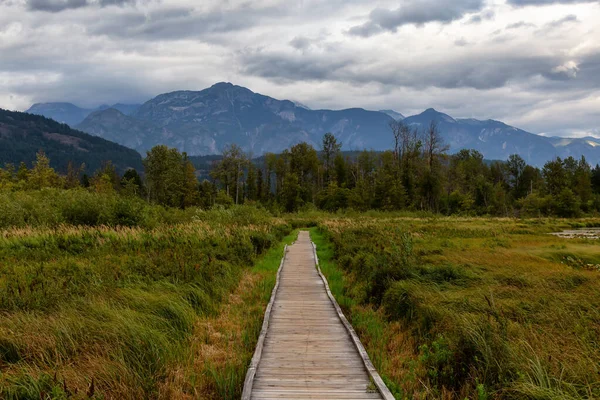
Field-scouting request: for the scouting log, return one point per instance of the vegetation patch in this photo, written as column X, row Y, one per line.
column 122, row 308
column 493, row 315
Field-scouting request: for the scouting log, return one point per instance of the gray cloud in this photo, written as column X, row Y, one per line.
column 55, row 5
column 365, row 30
column 416, row 12
column 108, row 51
column 560, row 22
column 493, row 71
column 461, row 42
column 482, row 16
column 520, row 24
column 300, row 43
column 61, row 5
column 286, row 68
column 172, row 23
column 522, row 3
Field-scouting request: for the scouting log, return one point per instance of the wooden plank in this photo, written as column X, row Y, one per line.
column 383, row 389
column 306, row 351
column 247, row 390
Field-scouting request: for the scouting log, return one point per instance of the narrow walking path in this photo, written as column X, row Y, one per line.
column 307, row 351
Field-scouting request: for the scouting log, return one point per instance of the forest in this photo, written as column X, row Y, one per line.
column 416, row 175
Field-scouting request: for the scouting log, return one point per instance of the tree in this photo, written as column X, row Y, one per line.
column 106, row 179
column 566, row 204
column 434, row 144
column 595, row 179
column 431, row 185
column 22, row 173
column 469, row 176
column 132, row 183
column 411, row 148
column 190, row 195
column 290, row 193
column 230, row 169
column 270, row 162
column 581, row 182
column 363, row 172
column 555, row 176
column 330, row 149
column 165, row 175
column 42, row 175
column 7, row 177
column 340, row 170
column 304, row 163
column 389, row 193
column 208, row 194
column 251, row 184
column 259, row 185
column 396, row 128
column 516, row 168
column 101, row 183
column 72, row 178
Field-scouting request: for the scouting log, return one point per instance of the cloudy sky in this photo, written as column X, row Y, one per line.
column 531, row 63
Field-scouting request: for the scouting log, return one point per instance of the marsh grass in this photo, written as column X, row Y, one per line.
column 222, row 345
column 469, row 307
column 120, row 306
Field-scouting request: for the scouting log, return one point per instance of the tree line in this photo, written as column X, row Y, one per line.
column 417, row 174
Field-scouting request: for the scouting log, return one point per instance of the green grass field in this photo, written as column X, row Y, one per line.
column 479, row 308
column 115, row 312
column 171, row 307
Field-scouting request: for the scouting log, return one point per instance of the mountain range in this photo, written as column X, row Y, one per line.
column 23, row 135
column 204, row 122
column 70, row 114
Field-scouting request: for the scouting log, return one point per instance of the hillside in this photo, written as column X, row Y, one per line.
column 203, row 122
column 113, row 125
column 70, row 114
column 494, row 139
column 22, row 135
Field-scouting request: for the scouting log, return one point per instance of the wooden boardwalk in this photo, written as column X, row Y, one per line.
column 306, row 351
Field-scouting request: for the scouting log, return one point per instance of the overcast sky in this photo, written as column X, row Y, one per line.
column 534, row 64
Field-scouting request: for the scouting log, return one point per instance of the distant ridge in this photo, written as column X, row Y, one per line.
column 394, row 114
column 22, row 135
column 70, row 114
column 204, row 122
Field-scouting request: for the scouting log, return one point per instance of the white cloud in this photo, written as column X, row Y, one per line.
column 402, row 55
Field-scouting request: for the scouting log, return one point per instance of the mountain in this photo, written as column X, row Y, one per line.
column 65, row 113
column 22, row 135
column 204, row 122
column 127, row 109
column 113, row 125
column 394, row 114
column 589, row 147
column 494, row 139
column 298, row 104
column 72, row 115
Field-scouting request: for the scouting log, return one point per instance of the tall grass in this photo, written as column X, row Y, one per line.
column 469, row 307
column 115, row 309
column 222, row 344
column 52, row 207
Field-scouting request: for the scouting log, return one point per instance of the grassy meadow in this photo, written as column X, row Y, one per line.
column 115, row 312
column 109, row 297
column 455, row 308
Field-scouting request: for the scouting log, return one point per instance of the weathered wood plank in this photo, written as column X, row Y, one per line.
column 306, row 351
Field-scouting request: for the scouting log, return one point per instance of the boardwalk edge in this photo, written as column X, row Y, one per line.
column 249, row 381
column 381, row 387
